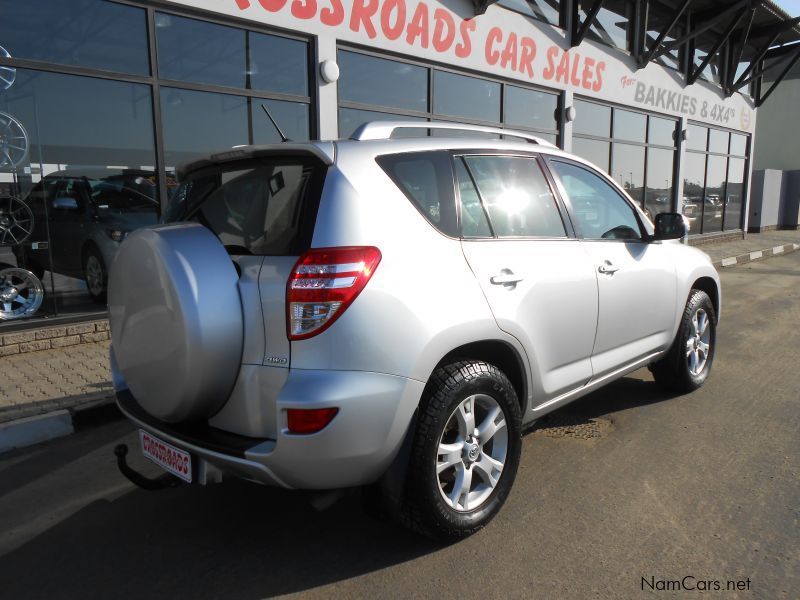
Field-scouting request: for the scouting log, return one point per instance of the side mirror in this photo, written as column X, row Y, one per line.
column 670, row 226
column 65, row 203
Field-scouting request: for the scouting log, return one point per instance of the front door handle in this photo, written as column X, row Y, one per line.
column 608, row 268
column 505, row 277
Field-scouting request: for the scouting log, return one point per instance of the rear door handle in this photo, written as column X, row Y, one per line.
column 505, row 277
column 608, row 268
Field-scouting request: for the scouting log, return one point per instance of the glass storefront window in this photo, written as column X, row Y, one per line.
column 594, row 151
column 714, row 199
column 86, row 33
column 200, row 52
column 352, row 118
column 468, row 97
column 738, row 144
column 718, row 141
column 199, row 123
column 734, row 193
column 628, row 169
column 630, row 126
column 382, row 82
column 530, row 108
column 694, row 174
column 697, row 137
column 658, row 195
column 278, row 64
column 87, row 176
column 592, row 119
column 661, row 131
column 292, row 118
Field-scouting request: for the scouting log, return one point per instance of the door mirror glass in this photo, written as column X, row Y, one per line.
column 65, row 203
column 670, row 226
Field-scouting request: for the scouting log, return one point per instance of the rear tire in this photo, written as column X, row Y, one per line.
column 688, row 363
column 465, row 453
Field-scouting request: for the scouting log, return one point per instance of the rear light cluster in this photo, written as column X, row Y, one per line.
column 323, row 283
column 303, row 421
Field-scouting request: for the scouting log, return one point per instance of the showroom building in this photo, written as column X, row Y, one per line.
column 101, row 100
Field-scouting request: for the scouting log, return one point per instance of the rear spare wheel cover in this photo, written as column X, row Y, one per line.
column 176, row 320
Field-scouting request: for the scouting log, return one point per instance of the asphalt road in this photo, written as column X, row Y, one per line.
column 628, row 483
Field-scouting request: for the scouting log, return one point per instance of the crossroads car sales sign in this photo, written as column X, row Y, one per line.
column 500, row 42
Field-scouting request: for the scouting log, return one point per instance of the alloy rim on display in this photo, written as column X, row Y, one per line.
column 21, row 293
column 698, row 346
column 16, row 221
column 7, row 74
column 472, row 452
column 13, row 142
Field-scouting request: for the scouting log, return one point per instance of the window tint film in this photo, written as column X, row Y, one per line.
column 426, row 178
column 517, row 197
column 474, row 223
column 600, row 211
column 262, row 207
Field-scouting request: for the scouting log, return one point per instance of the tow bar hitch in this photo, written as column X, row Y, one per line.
column 159, row 483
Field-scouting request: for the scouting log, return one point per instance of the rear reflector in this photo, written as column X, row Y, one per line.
column 323, row 283
column 304, row 421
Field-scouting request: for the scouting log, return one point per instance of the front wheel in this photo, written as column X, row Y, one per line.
column 688, row 363
column 466, row 451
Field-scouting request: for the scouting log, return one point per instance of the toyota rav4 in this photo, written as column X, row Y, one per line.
column 392, row 313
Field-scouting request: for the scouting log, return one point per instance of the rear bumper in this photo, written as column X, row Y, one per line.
column 375, row 411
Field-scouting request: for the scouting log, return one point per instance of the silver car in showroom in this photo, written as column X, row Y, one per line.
column 392, row 313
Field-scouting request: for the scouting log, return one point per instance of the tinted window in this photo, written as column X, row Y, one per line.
column 661, row 132
column 659, row 181
column 426, row 178
column 694, row 173
column 198, row 123
column 698, row 137
column 378, row 81
column 461, row 96
column 718, row 141
column 278, row 64
column 600, row 211
column 630, row 125
column 351, row 119
column 87, row 33
column 628, row 169
column 594, row 151
column 592, row 119
column 530, row 108
column 517, row 196
column 192, row 50
column 292, row 117
column 474, row 223
column 715, row 193
column 261, row 207
column 738, row 144
column 734, row 193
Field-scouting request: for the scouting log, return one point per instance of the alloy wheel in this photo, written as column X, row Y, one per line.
column 698, row 346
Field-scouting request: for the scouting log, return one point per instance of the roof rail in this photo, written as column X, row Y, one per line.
column 382, row 130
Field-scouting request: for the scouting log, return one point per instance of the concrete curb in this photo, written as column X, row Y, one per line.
column 29, row 430
column 732, row 261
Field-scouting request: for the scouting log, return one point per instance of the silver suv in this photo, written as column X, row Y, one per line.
column 391, row 313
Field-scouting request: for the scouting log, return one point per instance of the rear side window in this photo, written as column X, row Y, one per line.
column 515, row 195
column 426, row 178
column 259, row 206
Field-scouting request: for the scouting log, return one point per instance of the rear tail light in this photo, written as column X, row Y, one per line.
column 323, row 283
column 309, row 420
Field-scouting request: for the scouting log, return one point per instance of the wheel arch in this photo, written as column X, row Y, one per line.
column 500, row 354
column 710, row 287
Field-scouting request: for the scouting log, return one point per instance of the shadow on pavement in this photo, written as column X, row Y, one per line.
column 233, row 540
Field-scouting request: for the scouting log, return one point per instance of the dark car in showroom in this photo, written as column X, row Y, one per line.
column 88, row 217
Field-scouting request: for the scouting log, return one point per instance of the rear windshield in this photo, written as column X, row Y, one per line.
column 259, row 206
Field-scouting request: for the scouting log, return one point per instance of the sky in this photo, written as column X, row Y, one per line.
column 790, row 6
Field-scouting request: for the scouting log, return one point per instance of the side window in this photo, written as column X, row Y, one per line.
column 517, row 196
column 474, row 223
column 600, row 211
column 426, row 178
